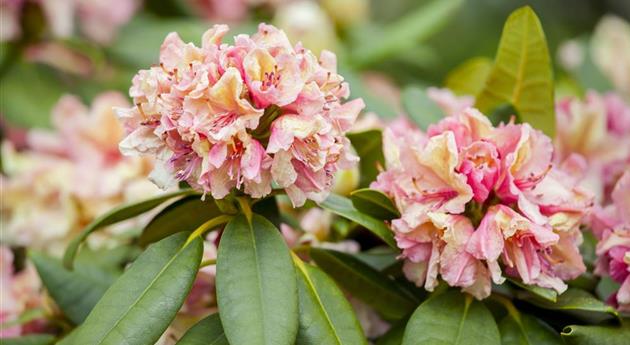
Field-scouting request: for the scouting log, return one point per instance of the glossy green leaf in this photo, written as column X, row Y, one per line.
column 470, row 77
column 256, row 284
column 75, row 292
column 421, row 109
column 326, row 317
column 545, row 293
column 365, row 283
column 451, row 318
column 343, row 207
column 578, row 303
column 185, row 214
column 116, row 215
column 527, row 330
column 208, row 331
column 522, row 73
column 138, row 308
column 34, row 339
column 406, row 32
column 596, row 335
column 374, row 203
column 369, row 147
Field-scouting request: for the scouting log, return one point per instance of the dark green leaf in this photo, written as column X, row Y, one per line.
column 35, row 339
column 365, row 283
column 578, row 303
column 138, row 308
column 452, row 318
column 205, row 332
column 606, row 287
column 256, row 284
column 374, row 203
column 548, row 294
column 185, row 214
column 527, row 330
column 326, row 317
column 522, row 73
column 268, row 208
column 343, row 207
column 596, row 335
column 470, row 77
column 75, row 292
column 420, row 108
column 369, row 147
column 379, row 258
column 395, row 334
column 116, row 215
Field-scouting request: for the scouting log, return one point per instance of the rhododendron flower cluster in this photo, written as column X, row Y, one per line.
column 479, row 203
column 611, row 225
column 598, row 128
column 67, row 177
column 247, row 116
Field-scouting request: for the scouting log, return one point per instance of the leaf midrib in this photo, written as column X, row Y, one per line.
column 311, row 287
column 467, row 303
column 259, row 279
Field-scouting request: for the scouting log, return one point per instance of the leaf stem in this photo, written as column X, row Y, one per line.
column 208, row 225
column 208, row 262
column 246, row 208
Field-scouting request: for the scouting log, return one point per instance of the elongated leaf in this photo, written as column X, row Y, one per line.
column 470, row 77
column 378, row 258
column 365, row 283
column 374, row 203
column 420, row 108
column 326, row 317
column 343, row 207
column 75, row 292
column 527, row 330
column 144, row 300
column 596, row 335
column 544, row 293
column 406, row 32
column 185, row 214
column 522, row 73
column 578, row 303
column 451, row 318
column 114, row 216
column 369, row 147
column 256, row 284
column 208, row 331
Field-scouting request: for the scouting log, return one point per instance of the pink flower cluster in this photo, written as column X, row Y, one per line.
column 247, row 116
column 611, row 225
column 478, row 202
column 597, row 128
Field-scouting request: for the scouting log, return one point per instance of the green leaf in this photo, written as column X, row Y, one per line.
column 420, row 108
column 470, row 77
column 35, row 339
column 527, row 330
column 406, row 32
column 369, row 147
column 208, row 331
column 138, row 308
column 75, row 292
column 522, row 73
column 374, row 203
column 548, row 294
column 116, row 215
column 373, row 102
column 185, row 214
column 326, row 317
column 395, row 334
column 343, row 207
column 596, row 335
column 379, row 258
column 451, row 318
column 256, row 284
column 365, row 283
column 606, row 287
column 578, row 303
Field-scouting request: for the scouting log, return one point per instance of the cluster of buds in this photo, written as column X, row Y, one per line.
column 479, row 202
column 248, row 116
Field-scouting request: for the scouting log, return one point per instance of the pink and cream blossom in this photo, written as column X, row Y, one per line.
column 244, row 117
column 479, row 203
